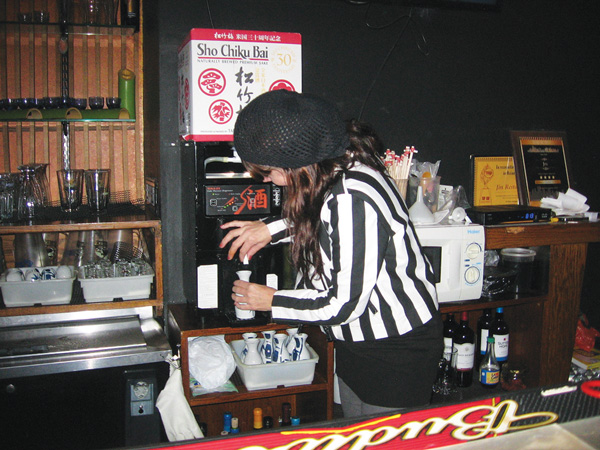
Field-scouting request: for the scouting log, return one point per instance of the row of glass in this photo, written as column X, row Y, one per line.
column 10, row 104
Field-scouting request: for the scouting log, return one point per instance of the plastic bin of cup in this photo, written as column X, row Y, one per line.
column 135, row 287
column 52, row 291
column 270, row 376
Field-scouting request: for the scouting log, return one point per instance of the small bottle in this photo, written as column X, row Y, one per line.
column 227, row 422
column 464, row 343
column 489, row 370
column 286, row 414
column 235, row 427
column 450, row 327
column 258, row 418
column 499, row 329
column 484, row 323
column 130, row 13
column 267, row 422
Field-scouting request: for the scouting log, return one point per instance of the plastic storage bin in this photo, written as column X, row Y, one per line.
column 45, row 292
column 106, row 289
column 269, row 376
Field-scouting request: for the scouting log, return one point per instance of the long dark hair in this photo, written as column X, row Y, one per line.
column 308, row 186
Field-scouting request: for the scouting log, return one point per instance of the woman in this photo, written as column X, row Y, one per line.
column 362, row 275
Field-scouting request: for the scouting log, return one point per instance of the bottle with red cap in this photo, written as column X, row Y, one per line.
column 464, row 343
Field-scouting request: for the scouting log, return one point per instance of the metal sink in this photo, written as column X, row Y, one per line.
column 69, row 342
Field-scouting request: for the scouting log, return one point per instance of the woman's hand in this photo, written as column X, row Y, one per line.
column 246, row 236
column 256, row 297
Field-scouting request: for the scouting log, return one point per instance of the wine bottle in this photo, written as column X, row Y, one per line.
column 464, row 343
column 286, row 414
column 450, row 327
column 489, row 369
column 499, row 329
column 484, row 323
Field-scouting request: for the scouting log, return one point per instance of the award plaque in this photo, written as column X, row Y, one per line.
column 541, row 163
column 494, row 181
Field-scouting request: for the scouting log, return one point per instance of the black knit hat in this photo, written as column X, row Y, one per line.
column 289, row 130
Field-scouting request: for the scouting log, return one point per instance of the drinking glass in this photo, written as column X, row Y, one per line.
column 97, row 188
column 31, row 198
column 9, row 186
column 70, row 187
column 445, row 384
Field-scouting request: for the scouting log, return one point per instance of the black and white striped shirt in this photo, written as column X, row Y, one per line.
column 377, row 282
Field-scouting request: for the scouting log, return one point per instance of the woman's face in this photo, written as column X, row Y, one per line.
column 276, row 176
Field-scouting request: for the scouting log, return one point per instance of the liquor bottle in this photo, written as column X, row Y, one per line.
column 258, row 418
column 484, row 323
column 235, row 425
column 499, row 329
column 286, row 414
column 464, row 343
column 226, row 422
column 267, row 422
column 450, row 327
column 130, row 13
column 489, row 369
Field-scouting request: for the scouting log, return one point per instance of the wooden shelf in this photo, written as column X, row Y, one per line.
column 150, row 227
column 312, row 402
column 542, row 326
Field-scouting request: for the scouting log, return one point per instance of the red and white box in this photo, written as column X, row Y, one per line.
column 221, row 71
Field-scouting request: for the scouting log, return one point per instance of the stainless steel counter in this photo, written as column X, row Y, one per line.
column 68, row 342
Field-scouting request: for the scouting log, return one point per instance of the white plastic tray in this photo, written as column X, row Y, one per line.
column 106, row 289
column 45, row 292
column 269, row 376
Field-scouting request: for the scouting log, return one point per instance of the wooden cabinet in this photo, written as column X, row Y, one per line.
column 66, row 57
column 313, row 402
column 542, row 327
column 151, row 239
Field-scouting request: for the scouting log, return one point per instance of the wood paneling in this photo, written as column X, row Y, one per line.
column 30, row 66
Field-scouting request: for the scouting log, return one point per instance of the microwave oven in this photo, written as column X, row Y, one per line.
column 456, row 254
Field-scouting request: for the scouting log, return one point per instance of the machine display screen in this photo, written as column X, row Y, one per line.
column 237, row 199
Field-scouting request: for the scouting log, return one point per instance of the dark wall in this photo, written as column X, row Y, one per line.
column 453, row 84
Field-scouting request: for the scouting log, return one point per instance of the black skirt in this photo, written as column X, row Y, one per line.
column 395, row 372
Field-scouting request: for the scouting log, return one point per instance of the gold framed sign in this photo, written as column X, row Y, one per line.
column 494, row 181
column 541, row 163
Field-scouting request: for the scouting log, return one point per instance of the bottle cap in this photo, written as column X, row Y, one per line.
column 295, row 421
column 500, row 310
column 491, row 339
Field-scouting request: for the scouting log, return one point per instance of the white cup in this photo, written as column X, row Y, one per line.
column 244, row 314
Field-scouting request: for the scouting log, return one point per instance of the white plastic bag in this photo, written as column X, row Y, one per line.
column 175, row 412
column 210, row 360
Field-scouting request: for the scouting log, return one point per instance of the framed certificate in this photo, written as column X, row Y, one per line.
column 494, row 181
column 541, row 163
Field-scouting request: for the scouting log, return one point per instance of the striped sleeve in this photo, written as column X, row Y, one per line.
column 354, row 260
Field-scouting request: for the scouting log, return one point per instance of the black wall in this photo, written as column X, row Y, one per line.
column 454, row 83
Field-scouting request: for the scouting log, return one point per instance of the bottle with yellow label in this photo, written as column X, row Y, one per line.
column 489, row 369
